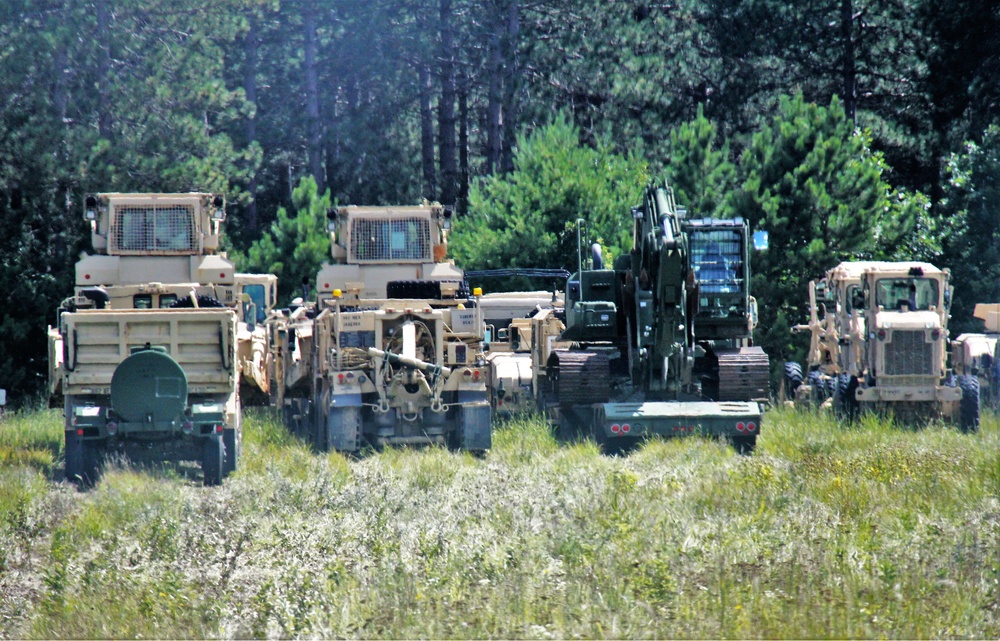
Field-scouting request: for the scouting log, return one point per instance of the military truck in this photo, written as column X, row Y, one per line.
column 392, row 351
column 976, row 355
column 879, row 341
column 144, row 357
column 629, row 371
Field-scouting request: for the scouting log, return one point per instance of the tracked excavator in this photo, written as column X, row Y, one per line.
column 629, row 371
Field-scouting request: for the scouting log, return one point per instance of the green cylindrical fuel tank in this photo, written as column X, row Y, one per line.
column 149, row 387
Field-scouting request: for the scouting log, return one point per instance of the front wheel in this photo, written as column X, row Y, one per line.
column 845, row 401
column 793, row 378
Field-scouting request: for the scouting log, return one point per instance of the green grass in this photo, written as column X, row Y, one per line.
column 872, row 530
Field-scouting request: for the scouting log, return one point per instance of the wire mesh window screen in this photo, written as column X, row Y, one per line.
column 144, row 228
column 400, row 239
column 718, row 266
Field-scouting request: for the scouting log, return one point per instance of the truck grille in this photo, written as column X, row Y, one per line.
column 909, row 355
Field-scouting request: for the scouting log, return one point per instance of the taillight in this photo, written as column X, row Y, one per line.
column 626, row 428
column 881, row 334
column 218, row 429
column 112, row 428
column 616, row 428
column 751, row 427
column 741, row 427
column 187, row 426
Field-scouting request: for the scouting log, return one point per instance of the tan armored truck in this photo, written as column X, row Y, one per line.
column 510, row 325
column 975, row 355
column 392, row 351
column 146, row 355
column 879, row 341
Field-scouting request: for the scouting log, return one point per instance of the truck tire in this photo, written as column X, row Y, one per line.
column 475, row 429
column 968, row 409
column 212, row 453
column 744, row 444
column 231, row 447
column 845, row 402
column 793, row 378
column 74, row 457
column 343, row 429
column 815, row 382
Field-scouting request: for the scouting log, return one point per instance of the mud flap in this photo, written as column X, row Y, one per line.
column 212, row 454
column 343, row 429
column 475, row 426
column 74, row 457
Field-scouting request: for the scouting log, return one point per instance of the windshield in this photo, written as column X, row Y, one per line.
column 906, row 293
column 715, row 256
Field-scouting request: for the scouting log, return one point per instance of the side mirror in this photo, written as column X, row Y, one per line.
column 947, row 298
column 760, row 240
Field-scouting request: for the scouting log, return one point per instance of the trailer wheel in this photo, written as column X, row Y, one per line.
column 343, row 429
column 968, row 409
column 212, row 453
column 793, row 378
column 744, row 445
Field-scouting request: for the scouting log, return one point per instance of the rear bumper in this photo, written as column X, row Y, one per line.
column 938, row 393
column 630, row 420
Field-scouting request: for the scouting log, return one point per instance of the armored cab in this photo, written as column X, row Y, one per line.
column 145, row 355
column 732, row 368
column 392, row 350
column 879, row 342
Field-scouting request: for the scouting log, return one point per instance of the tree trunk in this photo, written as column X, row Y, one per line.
column 427, row 133
column 849, row 66
column 250, row 87
column 314, row 143
column 446, row 108
column 511, row 81
column 494, row 131
column 104, row 69
column 463, row 148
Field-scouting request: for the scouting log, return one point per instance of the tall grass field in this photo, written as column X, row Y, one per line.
column 872, row 530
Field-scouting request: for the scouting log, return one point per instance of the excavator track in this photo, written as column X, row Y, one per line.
column 584, row 378
column 744, row 374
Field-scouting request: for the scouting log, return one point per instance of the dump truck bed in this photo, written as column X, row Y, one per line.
column 202, row 341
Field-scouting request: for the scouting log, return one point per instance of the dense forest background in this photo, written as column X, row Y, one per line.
column 847, row 128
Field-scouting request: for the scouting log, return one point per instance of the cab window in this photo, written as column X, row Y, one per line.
column 913, row 293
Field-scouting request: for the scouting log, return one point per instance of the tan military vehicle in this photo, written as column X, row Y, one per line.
column 879, row 341
column 145, row 357
column 392, row 351
column 975, row 355
column 511, row 362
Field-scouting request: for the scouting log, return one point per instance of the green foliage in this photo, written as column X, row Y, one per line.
column 814, row 184
column 702, row 175
column 970, row 211
column 294, row 247
column 528, row 218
